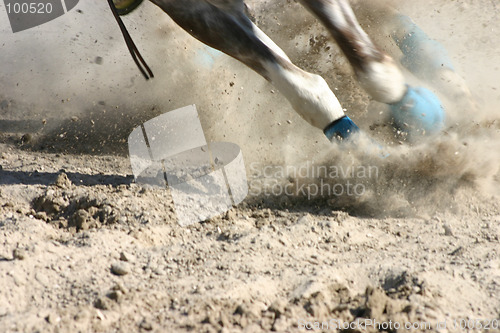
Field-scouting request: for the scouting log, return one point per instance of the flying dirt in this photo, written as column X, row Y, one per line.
column 330, row 237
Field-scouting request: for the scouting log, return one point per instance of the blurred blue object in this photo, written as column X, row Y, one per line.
column 419, row 113
column 422, row 55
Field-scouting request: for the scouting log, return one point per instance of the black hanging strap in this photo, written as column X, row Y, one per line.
column 136, row 55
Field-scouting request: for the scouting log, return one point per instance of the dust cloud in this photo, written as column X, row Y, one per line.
column 72, row 85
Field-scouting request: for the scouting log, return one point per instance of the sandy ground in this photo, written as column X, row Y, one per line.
column 86, row 249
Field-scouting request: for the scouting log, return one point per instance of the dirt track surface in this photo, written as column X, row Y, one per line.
column 86, row 250
column 83, row 248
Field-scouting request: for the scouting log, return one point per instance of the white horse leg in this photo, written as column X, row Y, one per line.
column 223, row 25
column 376, row 71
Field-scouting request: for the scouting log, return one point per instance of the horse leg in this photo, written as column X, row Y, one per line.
column 223, row 25
column 376, row 71
column 416, row 111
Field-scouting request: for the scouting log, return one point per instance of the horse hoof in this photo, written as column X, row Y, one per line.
column 341, row 129
column 419, row 113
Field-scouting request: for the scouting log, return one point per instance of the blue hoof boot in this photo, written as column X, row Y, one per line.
column 341, row 129
column 419, row 113
column 344, row 130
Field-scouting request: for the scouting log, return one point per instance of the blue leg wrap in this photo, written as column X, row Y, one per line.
column 341, row 129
